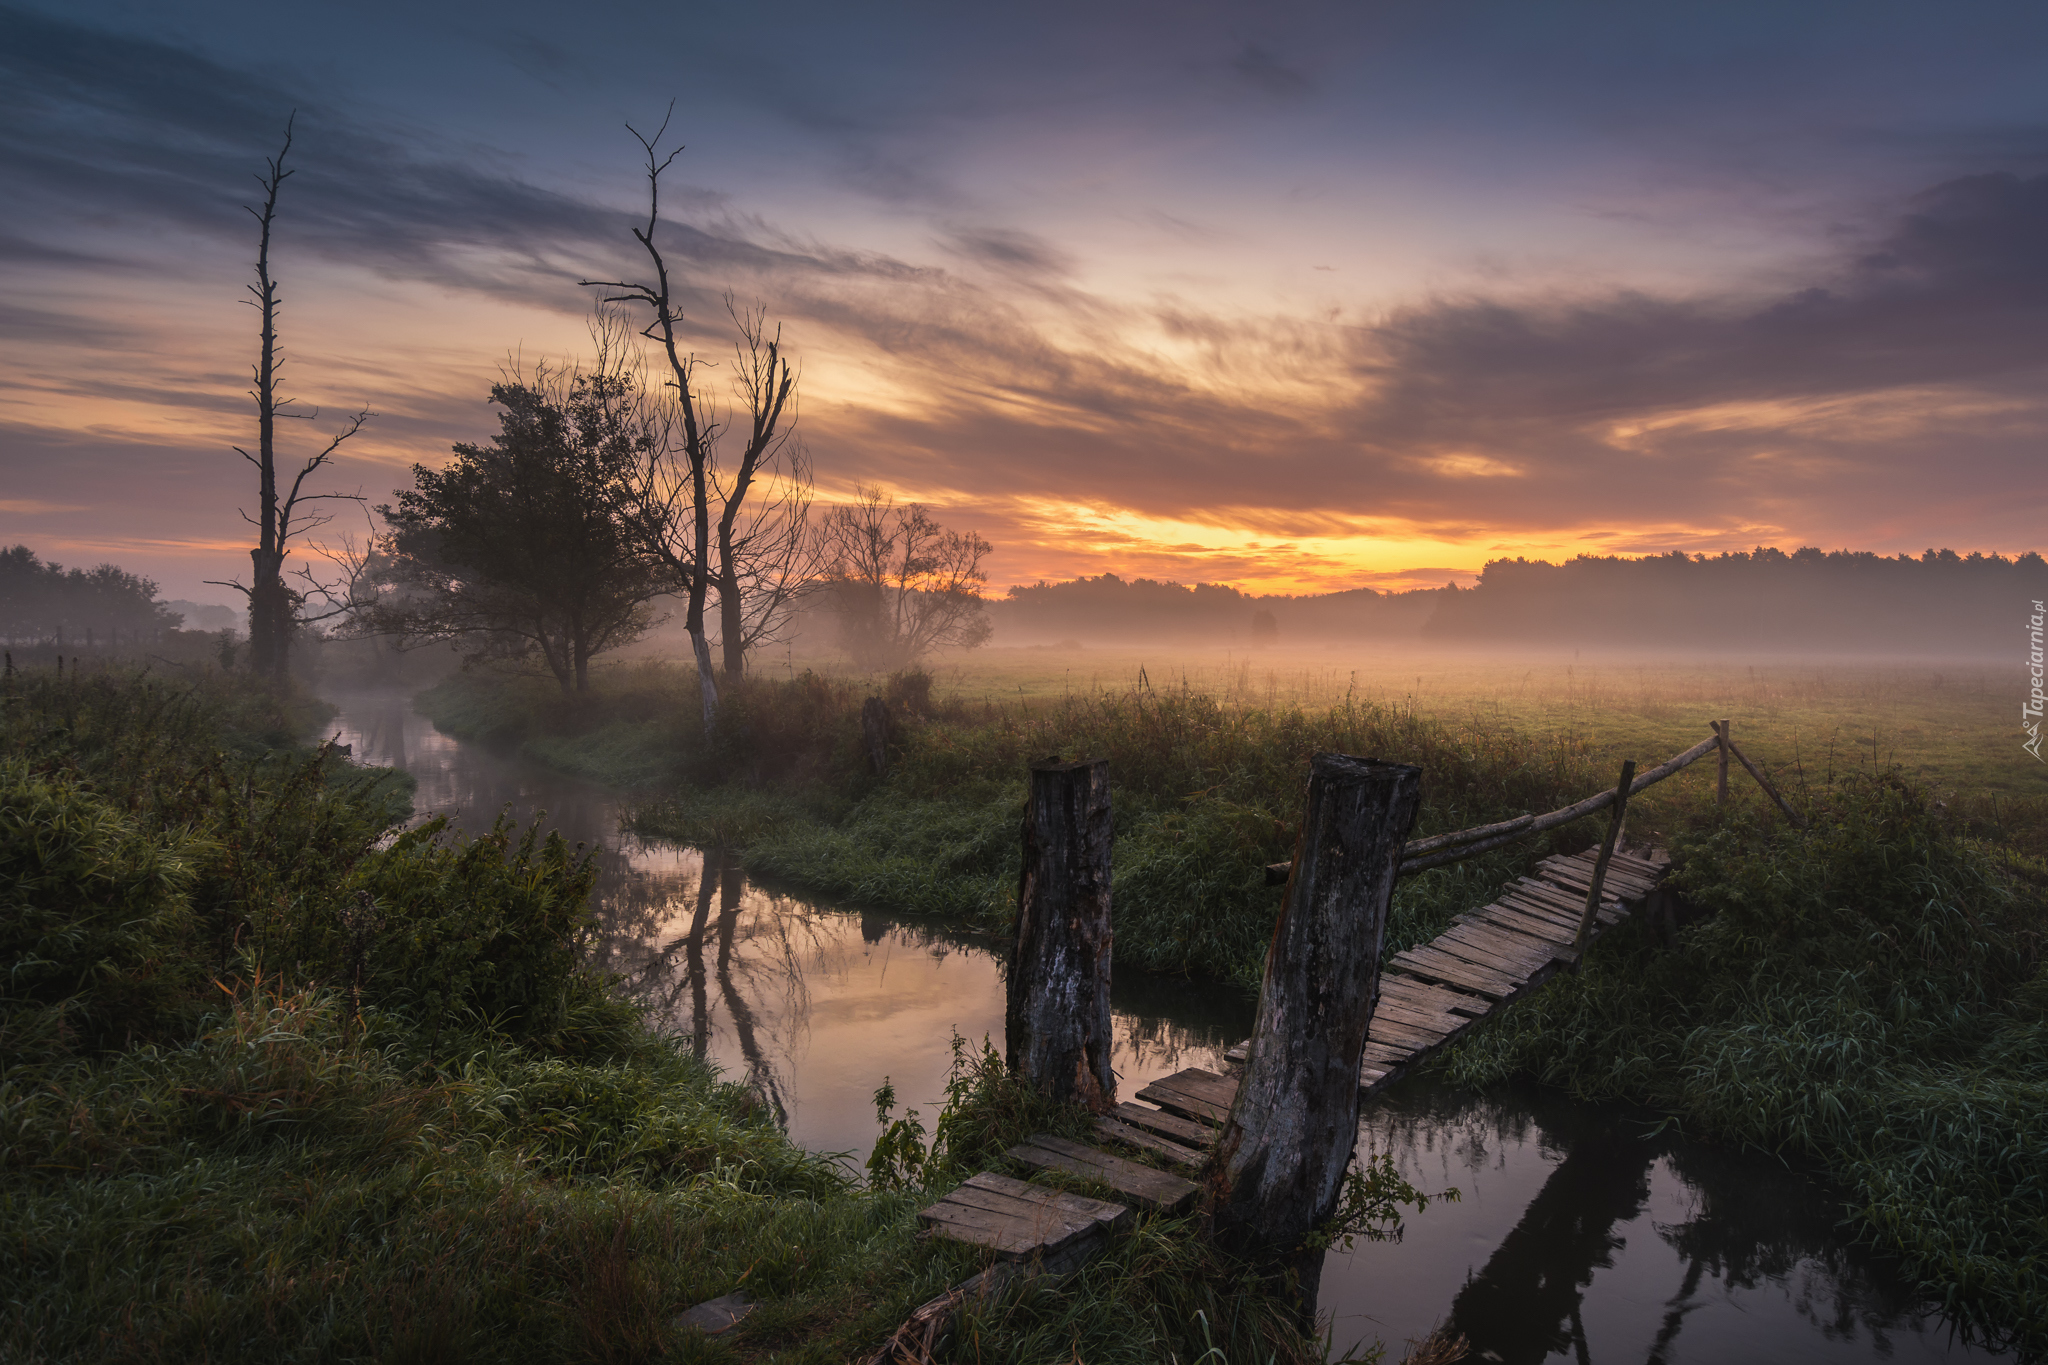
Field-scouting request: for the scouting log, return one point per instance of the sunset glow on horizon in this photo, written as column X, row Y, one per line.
column 1298, row 299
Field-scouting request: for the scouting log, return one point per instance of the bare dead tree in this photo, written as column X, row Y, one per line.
column 902, row 584
column 282, row 516
column 767, row 557
column 757, row 561
column 675, row 512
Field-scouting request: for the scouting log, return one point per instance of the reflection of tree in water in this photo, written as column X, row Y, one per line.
column 761, row 949
column 760, row 1075
column 1754, row 1224
column 1524, row 1304
column 1162, row 1019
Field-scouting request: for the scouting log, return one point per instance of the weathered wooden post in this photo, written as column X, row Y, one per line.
column 1057, row 1026
column 1621, row 795
column 1721, row 787
column 1278, row 1165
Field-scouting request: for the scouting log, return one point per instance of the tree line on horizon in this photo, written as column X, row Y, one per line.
column 1940, row 601
column 44, row 603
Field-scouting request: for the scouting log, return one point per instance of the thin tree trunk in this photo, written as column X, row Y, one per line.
column 707, row 679
column 269, row 604
column 731, row 619
column 1278, row 1165
column 1057, row 1029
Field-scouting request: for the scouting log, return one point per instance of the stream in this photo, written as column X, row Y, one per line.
column 1582, row 1233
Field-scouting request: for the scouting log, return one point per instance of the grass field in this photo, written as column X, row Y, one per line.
column 1951, row 723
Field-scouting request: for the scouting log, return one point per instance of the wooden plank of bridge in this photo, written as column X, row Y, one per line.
column 1187, row 1132
column 1429, row 995
column 1488, row 958
column 1016, row 1220
column 1130, row 1135
column 1195, row 1094
column 1142, row 1185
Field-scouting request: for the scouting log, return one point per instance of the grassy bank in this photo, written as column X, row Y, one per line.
column 1868, row 995
column 1205, row 793
column 274, row 1086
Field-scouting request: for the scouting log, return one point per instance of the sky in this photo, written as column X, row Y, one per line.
column 1298, row 297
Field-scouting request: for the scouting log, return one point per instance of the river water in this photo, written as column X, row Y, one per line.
column 1582, row 1233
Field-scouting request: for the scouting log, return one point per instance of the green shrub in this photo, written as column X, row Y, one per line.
column 445, row 927
column 96, row 923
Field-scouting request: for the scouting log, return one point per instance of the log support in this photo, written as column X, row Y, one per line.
column 1278, row 1166
column 1621, row 794
column 1057, row 1023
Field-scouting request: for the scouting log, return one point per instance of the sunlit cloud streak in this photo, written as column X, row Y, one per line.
column 1879, row 388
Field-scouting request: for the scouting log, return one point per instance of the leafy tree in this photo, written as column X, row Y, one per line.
column 519, row 547
column 901, row 584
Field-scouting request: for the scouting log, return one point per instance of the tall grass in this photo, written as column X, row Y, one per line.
column 278, row 1086
column 1205, row 794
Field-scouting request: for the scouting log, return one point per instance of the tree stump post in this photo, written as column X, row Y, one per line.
column 874, row 733
column 1057, row 1025
column 1278, row 1166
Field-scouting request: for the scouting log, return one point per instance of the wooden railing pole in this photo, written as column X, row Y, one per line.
column 1278, row 1165
column 1721, row 787
column 1628, row 776
column 1728, row 747
column 1057, row 1022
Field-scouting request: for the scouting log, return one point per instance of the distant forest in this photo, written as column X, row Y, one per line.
column 48, row 604
column 1938, row 602
column 1108, row 610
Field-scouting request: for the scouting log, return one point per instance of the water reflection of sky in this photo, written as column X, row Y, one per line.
column 814, row 1005
column 1578, row 1238
column 1581, row 1237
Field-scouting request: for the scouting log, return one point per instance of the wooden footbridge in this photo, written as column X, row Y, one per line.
column 1410, row 1006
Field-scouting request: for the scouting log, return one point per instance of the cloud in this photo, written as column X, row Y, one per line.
column 992, row 380
column 1265, row 72
column 1006, row 249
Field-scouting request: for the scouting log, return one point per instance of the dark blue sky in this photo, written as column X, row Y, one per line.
column 1286, row 295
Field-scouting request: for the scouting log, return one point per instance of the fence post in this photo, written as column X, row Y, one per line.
column 1628, row 777
column 1057, row 1025
column 1721, row 788
column 1278, row 1165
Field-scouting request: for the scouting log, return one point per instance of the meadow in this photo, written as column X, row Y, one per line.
column 1864, row 996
